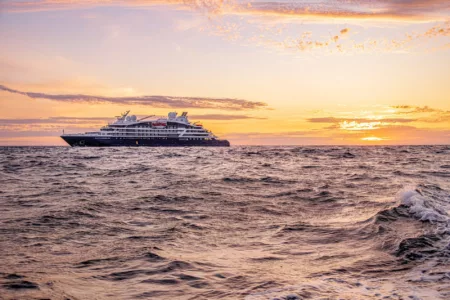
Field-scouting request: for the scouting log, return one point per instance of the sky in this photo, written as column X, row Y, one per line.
column 256, row 72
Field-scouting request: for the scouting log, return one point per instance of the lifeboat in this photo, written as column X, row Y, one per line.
column 159, row 124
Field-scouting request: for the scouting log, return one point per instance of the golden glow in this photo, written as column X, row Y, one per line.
column 372, row 139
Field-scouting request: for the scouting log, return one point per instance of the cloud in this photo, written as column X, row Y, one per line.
column 402, row 106
column 407, row 109
column 386, row 119
column 355, row 9
column 408, row 42
column 54, row 120
column 220, row 117
column 348, row 9
column 428, row 114
column 359, row 124
column 438, row 30
column 360, row 120
column 153, row 101
column 340, row 41
column 289, row 11
column 82, row 121
column 304, row 43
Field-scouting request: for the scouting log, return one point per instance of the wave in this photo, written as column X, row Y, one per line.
column 330, row 222
column 396, row 229
column 422, row 207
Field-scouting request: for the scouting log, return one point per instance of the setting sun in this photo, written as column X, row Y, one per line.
column 372, row 139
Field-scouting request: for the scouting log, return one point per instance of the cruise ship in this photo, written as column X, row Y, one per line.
column 151, row 131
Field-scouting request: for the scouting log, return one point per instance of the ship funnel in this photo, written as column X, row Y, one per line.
column 172, row 115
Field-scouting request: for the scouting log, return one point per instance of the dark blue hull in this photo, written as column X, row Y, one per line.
column 90, row 141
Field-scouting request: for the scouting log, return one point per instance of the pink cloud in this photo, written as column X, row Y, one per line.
column 359, row 9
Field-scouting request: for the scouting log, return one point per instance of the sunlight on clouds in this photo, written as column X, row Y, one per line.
column 354, row 125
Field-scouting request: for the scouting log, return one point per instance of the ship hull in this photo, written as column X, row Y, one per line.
column 91, row 141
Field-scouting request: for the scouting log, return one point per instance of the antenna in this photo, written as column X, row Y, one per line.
column 123, row 115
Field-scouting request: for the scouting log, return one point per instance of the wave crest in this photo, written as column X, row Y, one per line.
column 422, row 207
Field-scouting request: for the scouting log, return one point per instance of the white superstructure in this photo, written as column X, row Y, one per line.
column 173, row 126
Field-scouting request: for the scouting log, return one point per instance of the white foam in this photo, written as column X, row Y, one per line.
column 421, row 207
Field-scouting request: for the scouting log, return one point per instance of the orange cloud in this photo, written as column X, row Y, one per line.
column 407, row 109
column 438, row 30
column 409, row 42
column 432, row 115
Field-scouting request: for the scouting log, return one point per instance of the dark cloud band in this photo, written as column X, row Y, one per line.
column 364, row 9
column 153, row 101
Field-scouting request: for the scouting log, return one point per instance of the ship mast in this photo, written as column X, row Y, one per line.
column 123, row 116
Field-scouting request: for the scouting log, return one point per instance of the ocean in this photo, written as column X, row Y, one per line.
column 331, row 222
